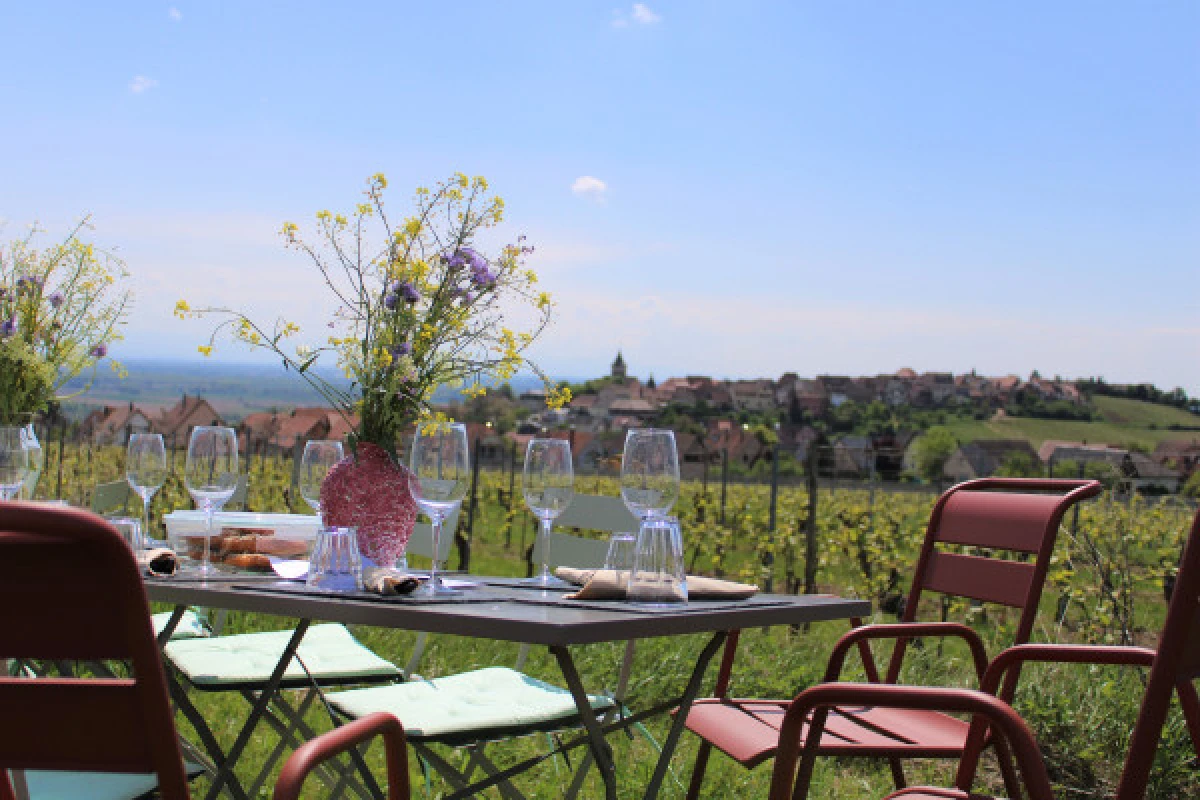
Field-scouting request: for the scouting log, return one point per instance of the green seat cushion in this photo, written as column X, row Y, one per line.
column 330, row 652
column 190, row 625
column 480, row 704
column 44, row 785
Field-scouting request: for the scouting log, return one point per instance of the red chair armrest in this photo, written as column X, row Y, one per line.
column 905, row 630
column 1065, row 654
column 825, row 696
column 339, row 740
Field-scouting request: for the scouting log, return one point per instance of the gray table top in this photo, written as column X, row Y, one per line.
column 510, row 614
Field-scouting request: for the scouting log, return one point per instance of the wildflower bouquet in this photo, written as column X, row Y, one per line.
column 418, row 305
column 60, row 310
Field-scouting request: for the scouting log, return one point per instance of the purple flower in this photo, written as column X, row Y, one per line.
column 390, row 301
column 468, row 298
column 476, row 261
column 410, row 293
column 400, row 350
column 482, row 276
column 8, row 327
column 454, row 260
column 57, row 299
column 99, row 351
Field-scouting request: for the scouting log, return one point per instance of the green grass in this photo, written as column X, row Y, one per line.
column 1124, row 423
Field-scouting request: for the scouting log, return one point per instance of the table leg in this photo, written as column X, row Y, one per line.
column 264, row 699
column 599, row 747
column 685, row 704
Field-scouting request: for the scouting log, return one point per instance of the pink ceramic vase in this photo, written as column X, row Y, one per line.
column 371, row 493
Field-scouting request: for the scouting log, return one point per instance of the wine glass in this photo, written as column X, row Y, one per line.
column 319, row 457
column 36, row 460
column 439, row 473
column 146, row 470
column 14, row 462
column 548, row 485
column 211, row 476
column 649, row 472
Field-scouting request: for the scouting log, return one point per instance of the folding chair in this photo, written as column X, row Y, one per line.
column 110, row 498
column 54, row 565
column 1173, row 668
column 472, row 709
column 988, row 515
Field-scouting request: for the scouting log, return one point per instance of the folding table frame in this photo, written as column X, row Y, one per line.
column 511, row 614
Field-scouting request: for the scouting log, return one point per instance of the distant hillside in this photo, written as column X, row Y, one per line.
column 1124, row 422
column 234, row 389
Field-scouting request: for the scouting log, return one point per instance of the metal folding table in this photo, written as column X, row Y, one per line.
column 511, row 614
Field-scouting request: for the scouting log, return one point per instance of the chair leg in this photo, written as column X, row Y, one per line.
column 698, row 769
column 1008, row 770
column 897, row 767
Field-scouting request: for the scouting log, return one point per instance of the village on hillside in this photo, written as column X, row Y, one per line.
column 849, row 428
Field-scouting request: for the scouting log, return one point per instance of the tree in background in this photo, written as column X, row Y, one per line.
column 933, row 448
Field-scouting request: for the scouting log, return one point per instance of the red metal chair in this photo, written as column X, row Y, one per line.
column 1173, row 668
column 311, row 753
column 70, row 590
column 1019, row 515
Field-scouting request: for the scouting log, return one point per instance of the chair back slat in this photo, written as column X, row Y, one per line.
column 1008, row 521
column 598, row 512
column 991, row 580
column 572, row 551
column 70, row 589
column 420, row 542
column 65, row 712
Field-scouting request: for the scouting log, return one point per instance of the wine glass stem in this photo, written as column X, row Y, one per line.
column 434, row 581
column 146, row 497
column 547, row 524
column 208, row 524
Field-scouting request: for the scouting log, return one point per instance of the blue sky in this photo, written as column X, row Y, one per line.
column 732, row 188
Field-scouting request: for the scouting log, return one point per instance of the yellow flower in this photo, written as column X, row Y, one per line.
column 481, row 182
column 289, row 329
column 365, row 209
column 544, row 301
column 324, row 216
column 461, row 179
column 182, row 308
column 558, row 397
column 474, row 390
column 379, row 179
column 340, row 219
column 289, row 230
column 412, row 226
column 205, row 350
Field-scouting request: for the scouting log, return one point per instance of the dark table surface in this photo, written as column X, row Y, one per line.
column 507, row 613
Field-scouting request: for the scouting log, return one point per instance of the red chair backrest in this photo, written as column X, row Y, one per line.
column 1012, row 514
column 1176, row 665
column 70, row 589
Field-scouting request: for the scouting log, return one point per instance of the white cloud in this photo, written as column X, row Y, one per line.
column 587, row 186
column 640, row 14
column 643, row 15
column 175, row 14
column 141, row 83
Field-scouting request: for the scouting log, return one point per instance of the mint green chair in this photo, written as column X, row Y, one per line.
column 471, row 709
column 111, row 498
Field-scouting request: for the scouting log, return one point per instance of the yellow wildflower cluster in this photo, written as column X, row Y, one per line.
column 558, row 397
column 474, row 390
column 205, row 349
column 182, row 309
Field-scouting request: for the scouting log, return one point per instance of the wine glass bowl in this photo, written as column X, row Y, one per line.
column 145, row 470
column 320, row 456
column 211, row 476
column 548, row 483
column 14, row 462
column 649, row 472
column 438, row 480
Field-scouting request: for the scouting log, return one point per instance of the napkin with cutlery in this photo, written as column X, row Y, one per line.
column 607, row 584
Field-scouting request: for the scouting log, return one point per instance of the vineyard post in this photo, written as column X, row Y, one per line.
column 464, row 542
column 512, row 479
column 62, row 444
column 1075, row 513
column 810, row 524
column 769, row 556
column 724, row 479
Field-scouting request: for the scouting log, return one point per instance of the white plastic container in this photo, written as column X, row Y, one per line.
column 241, row 539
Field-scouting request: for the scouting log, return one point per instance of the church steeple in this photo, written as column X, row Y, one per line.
column 618, row 367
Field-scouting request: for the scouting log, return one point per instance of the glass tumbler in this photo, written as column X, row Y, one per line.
column 335, row 563
column 658, row 576
column 131, row 531
column 620, row 557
